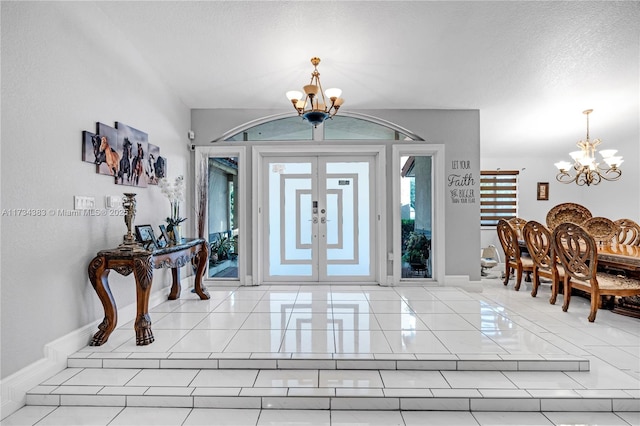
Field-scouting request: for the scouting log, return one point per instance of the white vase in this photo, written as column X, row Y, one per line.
column 177, row 234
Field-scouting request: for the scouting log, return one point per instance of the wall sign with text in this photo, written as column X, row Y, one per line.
column 461, row 182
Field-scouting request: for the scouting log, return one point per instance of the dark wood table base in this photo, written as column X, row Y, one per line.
column 127, row 259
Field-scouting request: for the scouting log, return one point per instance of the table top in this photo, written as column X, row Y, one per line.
column 620, row 253
column 129, row 252
column 616, row 249
column 623, row 254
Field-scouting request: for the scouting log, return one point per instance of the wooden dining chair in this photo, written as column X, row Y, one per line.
column 513, row 259
column 517, row 223
column 567, row 212
column 602, row 229
column 545, row 264
column 628, row 232
column 578, row 253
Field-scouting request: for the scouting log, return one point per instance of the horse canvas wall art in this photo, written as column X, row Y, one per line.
column 91, row 148
column 150, row 168
column 160, row 167
column 135, row 143
column 112, row 158
column 110, row 137
column 125, row 162
column 123, row 153
column 138, row 165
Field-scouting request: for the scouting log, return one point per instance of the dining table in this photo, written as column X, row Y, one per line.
column 612, row 256
column 622, row 259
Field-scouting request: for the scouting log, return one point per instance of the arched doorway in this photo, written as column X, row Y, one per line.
column 314, row 203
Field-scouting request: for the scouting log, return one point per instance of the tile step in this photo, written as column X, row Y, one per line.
column 420, row 399
column 362, row 362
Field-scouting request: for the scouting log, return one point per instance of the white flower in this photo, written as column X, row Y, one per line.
column 173, row 192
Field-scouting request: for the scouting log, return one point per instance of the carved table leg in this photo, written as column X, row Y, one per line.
column 176, row 288
column 143, row 272
column 98, row 275
column 202, row 257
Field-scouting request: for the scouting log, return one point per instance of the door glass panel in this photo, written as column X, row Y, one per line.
column 344, row 128
column 348, row 219
column 290, row 218
column 416, row 214
column 284, row 129
column 223, row 213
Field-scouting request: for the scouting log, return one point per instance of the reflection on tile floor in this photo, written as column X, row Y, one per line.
column 295, row 321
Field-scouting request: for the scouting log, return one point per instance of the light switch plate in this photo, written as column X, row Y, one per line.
column 81, row 202
column 113, row 201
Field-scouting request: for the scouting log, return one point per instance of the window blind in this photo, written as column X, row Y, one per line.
column 498, row 196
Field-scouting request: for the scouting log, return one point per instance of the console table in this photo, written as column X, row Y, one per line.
column 125, row 260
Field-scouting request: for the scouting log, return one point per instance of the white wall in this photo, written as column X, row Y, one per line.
column 64, row 68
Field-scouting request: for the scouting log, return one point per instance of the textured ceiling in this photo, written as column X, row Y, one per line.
column 531, row 68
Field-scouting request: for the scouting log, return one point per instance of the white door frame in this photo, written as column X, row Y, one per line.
column 436, row 152
column 380, row 228
column 203, row 153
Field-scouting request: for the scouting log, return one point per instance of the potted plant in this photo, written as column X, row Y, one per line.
column 214, row 247
column 224, row 247
column 417, row 250
column 175, row 194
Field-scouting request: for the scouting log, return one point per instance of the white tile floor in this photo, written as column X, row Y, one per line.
column 333, row 325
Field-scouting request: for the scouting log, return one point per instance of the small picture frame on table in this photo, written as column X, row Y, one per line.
column 543, row 191
column 145, row 236
column 164, row 235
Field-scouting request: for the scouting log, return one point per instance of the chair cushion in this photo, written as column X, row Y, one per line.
column 613, row 282
column 559, row 267
column 527, row 262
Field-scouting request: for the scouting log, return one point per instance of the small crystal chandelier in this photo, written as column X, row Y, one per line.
column 314, row 108
column 587, row 170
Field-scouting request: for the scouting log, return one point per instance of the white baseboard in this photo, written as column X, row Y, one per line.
column 14, row 388
column 463, row 282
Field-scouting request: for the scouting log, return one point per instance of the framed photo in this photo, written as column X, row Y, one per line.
column 163, row 231
column 543, row 191
column 163, row 236
column 144, row 235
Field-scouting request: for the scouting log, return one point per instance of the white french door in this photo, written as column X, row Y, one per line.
column 319, row 218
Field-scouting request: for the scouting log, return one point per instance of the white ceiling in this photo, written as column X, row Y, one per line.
column 531, row 68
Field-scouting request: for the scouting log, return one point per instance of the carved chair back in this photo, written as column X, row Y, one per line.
column 508, row 240
column 518, row 224
column 628, row 232
column 577, row 251
column 538, row 240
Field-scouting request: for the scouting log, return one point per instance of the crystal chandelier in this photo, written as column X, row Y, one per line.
column 587, row 170
column 313, row 107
